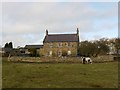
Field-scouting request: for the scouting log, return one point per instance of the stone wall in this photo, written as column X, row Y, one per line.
column 100, row 59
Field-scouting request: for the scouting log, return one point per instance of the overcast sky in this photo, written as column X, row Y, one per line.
column 25, row 23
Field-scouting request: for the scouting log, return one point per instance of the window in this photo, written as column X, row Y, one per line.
column 69, row 52
column 51, row 45
column 73, row 45
column 59, row 53
column 68, row 44
column 50, row 53
column 59, row 44
column 65, row 44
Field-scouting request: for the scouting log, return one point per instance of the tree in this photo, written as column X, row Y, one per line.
column 32, row 51
column 64, row 53
column 103, row 46
column 8, row 49
column 99, row 47
column 84, row 48
column 6, row 45
column 53, row 54
column 117, row 44
column 10, row 45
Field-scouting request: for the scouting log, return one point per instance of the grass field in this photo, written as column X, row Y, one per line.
column 62, row 75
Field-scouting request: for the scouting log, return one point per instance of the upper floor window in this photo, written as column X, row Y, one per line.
column 59, row 44
column 72, row 45
column 68, row 44
column 51, row 45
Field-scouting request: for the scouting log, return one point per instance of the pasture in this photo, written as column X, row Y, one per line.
column 59, row 75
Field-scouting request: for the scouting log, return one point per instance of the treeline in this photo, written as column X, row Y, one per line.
column 8, row 49
column 98, row 47
column 8, row 45
column 86, row 48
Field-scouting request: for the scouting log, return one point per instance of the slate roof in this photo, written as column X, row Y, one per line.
column 61, row 38
column 33, row 46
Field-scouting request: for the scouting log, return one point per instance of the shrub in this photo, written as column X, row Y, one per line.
column 53, row 54
column 64, row 53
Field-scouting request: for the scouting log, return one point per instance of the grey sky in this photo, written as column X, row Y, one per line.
column 26, row 22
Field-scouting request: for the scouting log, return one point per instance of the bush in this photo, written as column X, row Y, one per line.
column 64, row 53
column 53, row 54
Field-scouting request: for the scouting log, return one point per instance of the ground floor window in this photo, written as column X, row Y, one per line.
column 69, row 53
column 59, row 53
column 50, row 53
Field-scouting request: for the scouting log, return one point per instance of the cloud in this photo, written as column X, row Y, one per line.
column 60, row 0
column 22, row 40
column 26, row 22
column 0, row 23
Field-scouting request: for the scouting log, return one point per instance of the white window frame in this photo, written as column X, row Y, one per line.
column 69, row 52
column 59, row 53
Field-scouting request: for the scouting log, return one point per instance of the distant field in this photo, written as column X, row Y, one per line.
column 62, row 75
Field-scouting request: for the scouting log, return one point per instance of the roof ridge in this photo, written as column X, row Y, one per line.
column 33, row 45
column 61, row 34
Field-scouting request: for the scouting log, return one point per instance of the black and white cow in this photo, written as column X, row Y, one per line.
column 86, row 60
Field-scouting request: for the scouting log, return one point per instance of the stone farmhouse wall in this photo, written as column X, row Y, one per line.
column 57, row 48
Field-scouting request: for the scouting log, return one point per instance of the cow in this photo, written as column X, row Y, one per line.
column 86, row 60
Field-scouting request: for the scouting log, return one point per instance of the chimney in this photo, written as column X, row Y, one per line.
column 78, row 41
column 77, row 31
column 46, row 32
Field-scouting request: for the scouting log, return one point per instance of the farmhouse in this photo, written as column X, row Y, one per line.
column 60, row 44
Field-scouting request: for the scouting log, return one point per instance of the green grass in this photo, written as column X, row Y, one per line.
column 62, row 75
